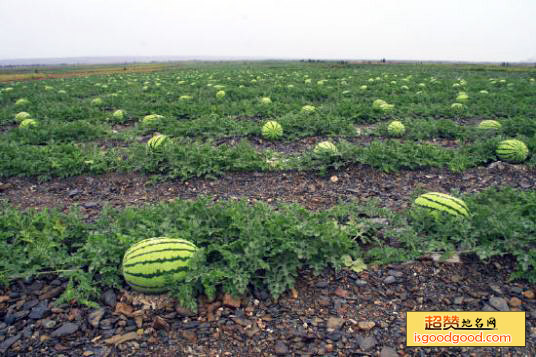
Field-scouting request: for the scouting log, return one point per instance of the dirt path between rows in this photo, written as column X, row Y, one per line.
column 357, row 182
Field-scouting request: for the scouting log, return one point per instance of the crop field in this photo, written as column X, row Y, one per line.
column 90, row 165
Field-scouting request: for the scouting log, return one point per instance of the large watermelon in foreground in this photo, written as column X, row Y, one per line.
column 440, row 202
column 147, row 263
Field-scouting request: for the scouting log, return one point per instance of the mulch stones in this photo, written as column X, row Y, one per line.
column 331, row 314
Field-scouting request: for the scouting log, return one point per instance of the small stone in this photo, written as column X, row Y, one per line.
column 322, row 284
column 515, row 302
column 67, row 328
column 159, row 323
column 95, row 317
column 252, row 331
column 281, row 348
column 230, row 301
column 39, row 311
column 324, row 301
column 90, row 205
column 395, row 273
column 49, row 324
column 366, row 343
column 334, row 323
column 183, row 311
column 52, row 293
column 109, row 298
column 389, row 280
column 388, row 352
column 529, row 294
column 496, row 289
column 360, row 282
column 458, row 300
column 499, row 303
column 342, row 293
column 366, row 325
column 8, row 342
column 334, row 179
column 190, row 336
column 74, row 192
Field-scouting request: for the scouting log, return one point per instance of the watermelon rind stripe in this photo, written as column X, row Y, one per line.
column 446, row 206
column 146, row 287
column 137, row 246
column 159, row 273
column 161, row 251
column 159, row 260
column 449, row 198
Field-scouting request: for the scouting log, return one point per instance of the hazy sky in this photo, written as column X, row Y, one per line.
column 476, row 30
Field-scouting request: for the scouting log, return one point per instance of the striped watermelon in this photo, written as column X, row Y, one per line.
column 272, row 130
column 440, row 202
column 489, row 124
column 147, row 263
column 326, row 147
column 512, row 151
column 156, row 141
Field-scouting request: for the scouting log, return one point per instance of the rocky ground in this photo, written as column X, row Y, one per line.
column 333, row 314
column 357, row 182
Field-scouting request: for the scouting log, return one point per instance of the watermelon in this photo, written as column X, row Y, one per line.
column 22, row 115
column 489, row 124
column 156, row 141
column 396, row 128
column 440, row 202
column 148, row 263
column 512, row 151
column 272, row 130
column 325, row 147
column 27, row 123
column 152, row 118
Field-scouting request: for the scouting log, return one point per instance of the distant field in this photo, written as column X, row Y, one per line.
column 19, row 73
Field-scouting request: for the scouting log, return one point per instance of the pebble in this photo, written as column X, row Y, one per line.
column 395, row 273
column 281, row 348
column 366, row 343
column 49, row 324
column 109, row 298
column 334, row 323
column 515, row 302
column 499, row 303
column 360, row 282
column 388, row 352
column 95, row 317
column 39, row 311
column 67, row 328
column 322, row 284
column 366, row 325
column 10, row 341
column 529, row 294
column 389, row 280
column 324, row 300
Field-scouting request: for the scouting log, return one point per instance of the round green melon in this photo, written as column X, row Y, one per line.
column 489, row 124
column 28, row 123
column 512, row 151
column 272, row 130
column 119, row 114
column 439, row 202
column 22, row 115
column 152, row 118
column 396, row 128
column 156, row 142
column 148, row 263
column 325, row 147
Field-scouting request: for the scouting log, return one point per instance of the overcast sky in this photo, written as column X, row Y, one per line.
column 474, row 30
